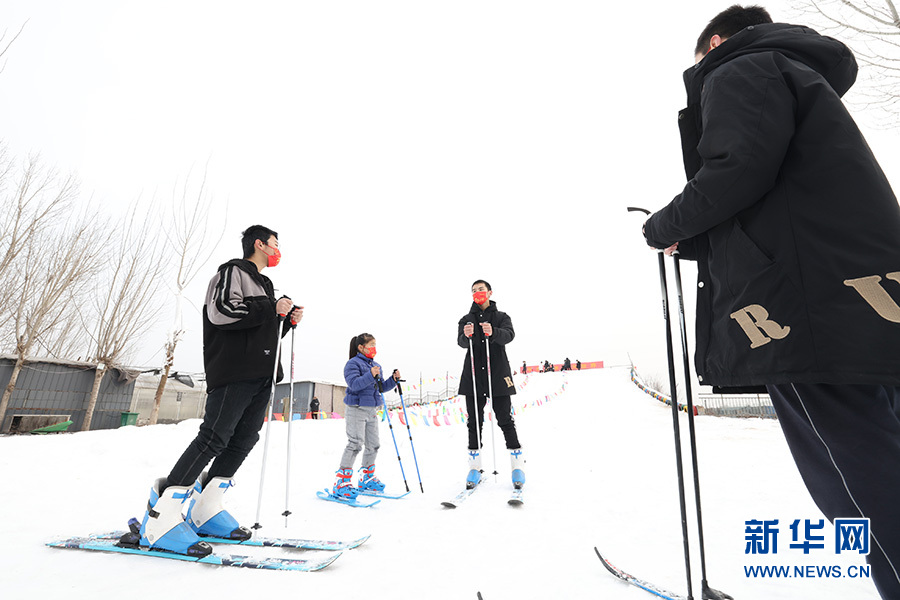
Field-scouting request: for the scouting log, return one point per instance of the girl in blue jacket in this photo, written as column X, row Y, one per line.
column 365, row 386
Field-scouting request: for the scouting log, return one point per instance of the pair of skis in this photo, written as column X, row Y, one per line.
column 515, row 499
column 355, row 502
column 116, row 542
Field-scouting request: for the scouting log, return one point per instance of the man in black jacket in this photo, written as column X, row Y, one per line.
column 241, row 333
column 484, row 325
column 795, row 228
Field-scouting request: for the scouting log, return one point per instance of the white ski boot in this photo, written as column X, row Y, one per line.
column 206, row 514
column 163, row 527
column 368, row 482
column 474, row 476
column 518, row 463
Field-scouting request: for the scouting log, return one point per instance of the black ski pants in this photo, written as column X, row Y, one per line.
column 234, row 415
column 502, row 407
column 845, row 440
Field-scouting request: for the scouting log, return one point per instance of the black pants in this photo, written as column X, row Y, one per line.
column 845, row 440
column 234, row 415
column 502, row 407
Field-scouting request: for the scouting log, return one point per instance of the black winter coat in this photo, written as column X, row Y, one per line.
column 240, row 325
column 501, row 375
column 794, row 226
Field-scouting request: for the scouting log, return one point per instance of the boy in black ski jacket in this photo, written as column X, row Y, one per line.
column 484, row 325
column 796, row 233
column 241, row 333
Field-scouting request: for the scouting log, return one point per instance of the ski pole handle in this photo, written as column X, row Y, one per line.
column 293, row 308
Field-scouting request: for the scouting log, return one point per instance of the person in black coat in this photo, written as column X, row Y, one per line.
column 796, row 233
column 484, row 325
column 314, row 408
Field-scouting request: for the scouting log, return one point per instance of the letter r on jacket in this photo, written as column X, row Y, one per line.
column 872, row 292
column 757, row 325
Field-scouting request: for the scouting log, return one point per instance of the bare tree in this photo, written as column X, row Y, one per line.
column 872, row 30
column 131, row 301
column 34, row 199
column 9, row 43
column 54, row 271
column 188, row 238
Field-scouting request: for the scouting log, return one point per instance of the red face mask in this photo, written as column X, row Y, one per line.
column 274, row 259
column 480, row 297
column 369, row 352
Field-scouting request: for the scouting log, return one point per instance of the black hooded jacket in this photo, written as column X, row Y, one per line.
column 240, row 325
column 501, row 375
column 794, row 226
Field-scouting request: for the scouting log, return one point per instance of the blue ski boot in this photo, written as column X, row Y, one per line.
column 343, row 485
column 207, row 515
column 368, row 481
column 474, row 476
column 163, row 527
column 518, row 475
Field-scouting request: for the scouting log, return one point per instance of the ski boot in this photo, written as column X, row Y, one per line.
column 368, row 482
column 518, row 475
column 164, row 528
column 474, row 476
column 343, row 486
column 207, row 516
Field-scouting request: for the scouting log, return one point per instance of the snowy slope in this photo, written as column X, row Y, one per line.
column 600, row 472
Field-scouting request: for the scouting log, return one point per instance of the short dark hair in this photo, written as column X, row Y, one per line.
column 486, row 284
column 253, row 233
column 359, row 340
column 731, row 21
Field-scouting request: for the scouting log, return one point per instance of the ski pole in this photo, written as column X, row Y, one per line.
column 262, row 471
column 706, row 591
column 408, row 430
column 674, row 399
column 487, row 346
column 290, row 418
column 387, row 415
column 474, row 392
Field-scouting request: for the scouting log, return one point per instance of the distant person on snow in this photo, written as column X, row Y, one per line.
column 365, row 387
column 240, row 336
column 567, row 365
column 484, row 325
column 796, row 234
column 577, row 365
column 314, row 408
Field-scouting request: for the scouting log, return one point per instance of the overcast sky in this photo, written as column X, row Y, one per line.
column 401, row 150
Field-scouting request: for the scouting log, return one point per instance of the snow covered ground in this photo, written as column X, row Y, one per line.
column 600, row 473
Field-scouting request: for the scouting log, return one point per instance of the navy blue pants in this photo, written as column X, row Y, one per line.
column 234, row 415
column 845, row 440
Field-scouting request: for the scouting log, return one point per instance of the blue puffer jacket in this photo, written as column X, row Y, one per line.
column 361, row 387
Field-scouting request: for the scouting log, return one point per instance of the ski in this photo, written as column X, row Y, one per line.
column 644, row 585
column 460, row 497
column 517, row 498
column 290, row 543
column 326, row 495
column 268, row 542
column 375, row 494
column 224, row 560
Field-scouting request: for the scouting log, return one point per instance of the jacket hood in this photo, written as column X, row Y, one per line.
column 244, row 265
column 830, row 58
column 475, row 308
